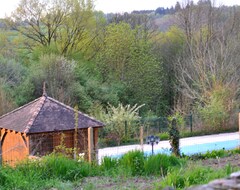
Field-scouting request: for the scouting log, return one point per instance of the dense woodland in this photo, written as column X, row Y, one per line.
column 182, row 59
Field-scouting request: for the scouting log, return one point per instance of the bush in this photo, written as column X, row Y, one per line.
column 164, row 136
column 49, row 171
column 174, row 137
column 193, row 175
column 215, row 112
column 109, row 163
column 210, row 154
column 133, row 161
column 160, row 164
column 61, row 167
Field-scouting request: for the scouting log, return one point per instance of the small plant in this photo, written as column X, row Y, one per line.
column 120, row 121
column 160, row 164
column 133, row 161
column 209, row 154
column 193, row 175
column 174, row 137
column 164, row 136
column 109, row 163
column 62, row 149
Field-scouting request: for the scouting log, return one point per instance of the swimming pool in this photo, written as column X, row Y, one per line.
column 194, row 149
column 188, row 146
column 200, row 148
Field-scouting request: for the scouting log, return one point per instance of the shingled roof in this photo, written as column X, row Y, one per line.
column 45, row 114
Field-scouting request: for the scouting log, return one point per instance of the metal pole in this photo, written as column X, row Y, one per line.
column 152, row 148
column 191, row 122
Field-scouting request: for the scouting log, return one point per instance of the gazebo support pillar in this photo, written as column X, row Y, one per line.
column 90, row 144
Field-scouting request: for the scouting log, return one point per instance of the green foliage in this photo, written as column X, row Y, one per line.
column 116, row 118
column 174, row 136
column 179, row 119
column 164, row 136
column 160, row 164
column 108, row 163
column 193, row 175
column 127, row 56
column 66, row 26
column 216, row 111
column 58, row 171
column 49, row 171
column 133, row 161
column 211, row 154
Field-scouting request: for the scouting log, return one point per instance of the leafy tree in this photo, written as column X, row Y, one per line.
column 63, row 25
column 115, row 54
column 127, row 56
column 58, row 73
column 168, row 46
column 6, row 103
column 115, row 119
column 218, row 108
column 12, row 74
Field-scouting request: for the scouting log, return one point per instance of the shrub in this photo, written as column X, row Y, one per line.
column 160, row 163
column 120, row 121
column 210, row 154
column 174, row 137
column 164, row 136
column 133, row 161
column 60, row 166
column 193, row 175
column 215, row 111
column 109, row 163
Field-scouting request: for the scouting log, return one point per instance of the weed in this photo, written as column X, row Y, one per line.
column 181, row 178
column 160, row 163
column 134, row 162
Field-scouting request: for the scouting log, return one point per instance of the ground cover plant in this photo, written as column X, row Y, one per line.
column 134, row 170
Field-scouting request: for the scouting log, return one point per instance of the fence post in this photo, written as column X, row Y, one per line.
column 239, row 126
column 75, row 133
column 90, row 144
column 126, row 131
column 0, row 147
column 191, row 122
column 158, row 123
column 141, row 137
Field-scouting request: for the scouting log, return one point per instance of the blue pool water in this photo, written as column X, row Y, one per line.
column 201, row 148
column 194, row 149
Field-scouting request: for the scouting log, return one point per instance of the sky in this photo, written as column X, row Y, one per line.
column 120, row 6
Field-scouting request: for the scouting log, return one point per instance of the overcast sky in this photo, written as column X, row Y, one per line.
column 116, row 5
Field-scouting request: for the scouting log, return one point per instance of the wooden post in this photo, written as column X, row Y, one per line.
column 75, row 133
column 141, row 137
column 239, row 127
column 0, row 147
column 95, row 133
column 90, row 144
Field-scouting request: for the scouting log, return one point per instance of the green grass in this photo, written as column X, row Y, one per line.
column 160, row 164
column 193, row 175
column 60, row 172
column 50, row 171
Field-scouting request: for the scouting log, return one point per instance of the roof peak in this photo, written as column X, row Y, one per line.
column 35, row 114
column 44, row 89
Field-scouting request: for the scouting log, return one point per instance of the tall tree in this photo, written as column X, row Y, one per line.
column 62, row 25
column 167, row 46
column 211, row 55
column 127, row 56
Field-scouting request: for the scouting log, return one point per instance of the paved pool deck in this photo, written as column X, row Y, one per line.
column 119, row 150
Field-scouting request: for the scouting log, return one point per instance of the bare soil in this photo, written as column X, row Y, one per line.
column 233, row 160
column 108, row 183
column 148, row 183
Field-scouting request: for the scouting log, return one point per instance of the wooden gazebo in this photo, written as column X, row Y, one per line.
column 38, row 127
